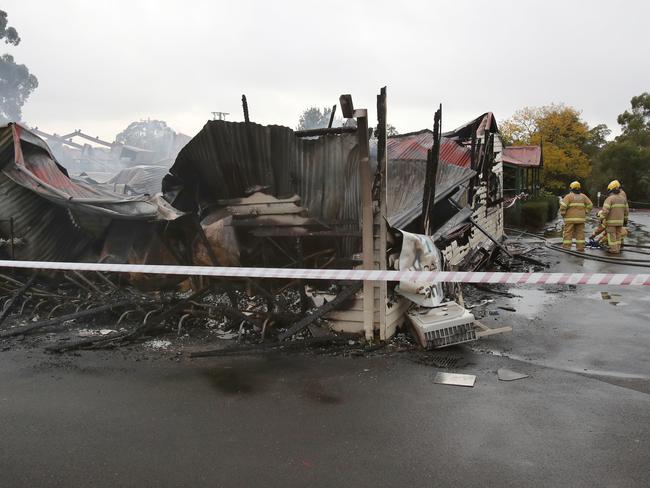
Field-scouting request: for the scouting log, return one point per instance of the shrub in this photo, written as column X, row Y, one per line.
column 535, row 212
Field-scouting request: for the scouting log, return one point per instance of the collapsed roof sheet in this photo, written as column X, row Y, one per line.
column 54, row 216
column 142, row 179
column 407, row 156
column 226, row 159
column 414, row 147
column 27, row 161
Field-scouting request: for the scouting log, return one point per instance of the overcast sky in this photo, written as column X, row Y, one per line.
column 103, row 64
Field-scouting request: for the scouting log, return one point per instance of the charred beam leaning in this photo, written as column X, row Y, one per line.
column 329, row 126
column 342, row 297
column 325, row 131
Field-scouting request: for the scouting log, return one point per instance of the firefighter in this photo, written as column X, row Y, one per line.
column 574, row 208
column 624, row 195
column 615, row 210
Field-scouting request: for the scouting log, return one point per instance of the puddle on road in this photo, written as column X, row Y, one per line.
column 531, row 301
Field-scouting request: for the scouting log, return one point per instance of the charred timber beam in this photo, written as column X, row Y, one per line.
column 244, row 103
column 28, row 329
column 429, row 193
column 479, row 227
column 325, row 131
column 347, row 107
column 260, row 348
column 329, row 126
column 342, row 297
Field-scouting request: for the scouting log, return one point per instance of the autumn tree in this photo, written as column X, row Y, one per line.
column 16, row 82
column 565, row 138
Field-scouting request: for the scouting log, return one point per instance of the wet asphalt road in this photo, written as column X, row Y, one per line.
column 582, row 418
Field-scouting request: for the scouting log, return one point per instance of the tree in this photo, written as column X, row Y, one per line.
column 596, row 140
column 16, row 82
column 154, row 135
column 565, row 138
column 315, row 118
column 627, row 158
column 391, row 130
column 9, row 34
column 635, row 124
column 518, row 129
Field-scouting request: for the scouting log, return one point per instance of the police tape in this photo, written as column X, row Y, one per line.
column 349, row 274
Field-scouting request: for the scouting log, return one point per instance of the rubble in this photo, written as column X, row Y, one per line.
column 244, row 194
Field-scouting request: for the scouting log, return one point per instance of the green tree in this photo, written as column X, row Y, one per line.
column 565, row 138
column 315, row 118
column 627, row 158
column 635, row 124
column 16, row 82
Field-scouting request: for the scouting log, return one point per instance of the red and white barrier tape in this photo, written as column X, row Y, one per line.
column 355, row 275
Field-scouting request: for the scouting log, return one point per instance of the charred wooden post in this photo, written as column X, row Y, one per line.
column 429, row 193
column 329, row 126
column 367, row 220
column 244, row 103
column 379, row 195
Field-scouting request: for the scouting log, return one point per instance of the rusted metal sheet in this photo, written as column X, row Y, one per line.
column 522, row 156
column 55, row 217
column 414, row 146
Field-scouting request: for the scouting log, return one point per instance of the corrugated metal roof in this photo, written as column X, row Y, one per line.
column 415, row 145
column 406, row 185
column 225, row 159
column 522, row 156
column 27, row 161
column 142, row 179
column 55, row 216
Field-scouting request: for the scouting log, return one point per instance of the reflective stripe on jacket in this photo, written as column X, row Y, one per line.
column 574, row 207
column 615, row 210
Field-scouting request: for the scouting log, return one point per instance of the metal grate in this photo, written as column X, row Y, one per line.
column 443, row 360
column 447, row 336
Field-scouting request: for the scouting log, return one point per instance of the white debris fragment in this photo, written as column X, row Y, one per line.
column 455, row 379
column 225, row 335
column 505, row 374
column 87, row 333
column 95, row 332
column 158, row 344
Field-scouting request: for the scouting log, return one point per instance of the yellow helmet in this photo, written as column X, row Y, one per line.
column 613, row 185
column 575, row 185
